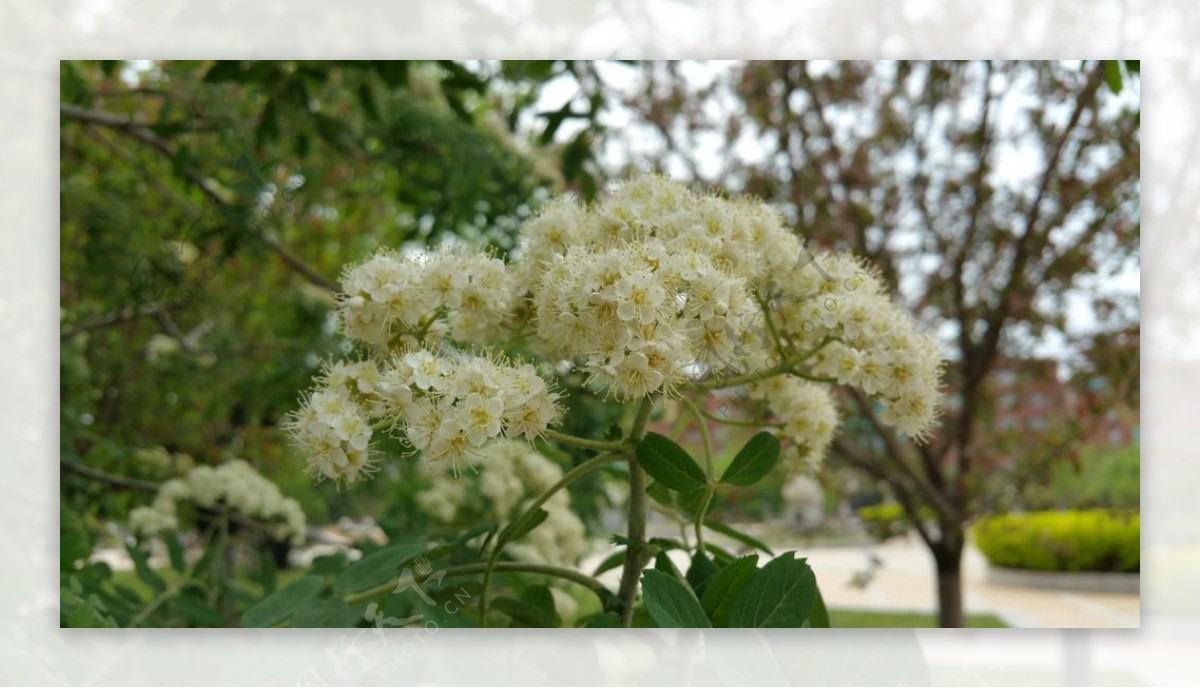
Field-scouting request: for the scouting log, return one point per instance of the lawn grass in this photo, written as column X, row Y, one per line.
column 847, row 618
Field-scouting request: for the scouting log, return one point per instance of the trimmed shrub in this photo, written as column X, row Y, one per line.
column 1095, row 540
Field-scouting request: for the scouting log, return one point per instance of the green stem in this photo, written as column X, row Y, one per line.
column 740, row 423
column 218, row 565
column 815, row 378
column 599, row 445
column 709, row 490
column 708, row 470
column 502, row 539
column 815, row 350
column 636, row 534
column 171, row 591
column 698, row 415
column 756, row 376
column 780, row 344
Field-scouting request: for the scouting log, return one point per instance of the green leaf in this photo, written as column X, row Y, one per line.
column 666, row 543
column 534, row 609
column 266, row 571
column 541, row 597
column 1112, row 75
column 326, row 613
column 738, row 535
column 74, row 542
column 781, row 595
column 197, row 611
column 175, row 551
column 611, row 562
column 670, row 603
column 487, row 539
column 472, row 533
column 668, row 463
column 691, row 500
column 329, row 564
column 701, row 570
column 722, row 591
column 206, row 560
column 226, row 70
column 268, row 124
column 366, row 98
column 393, row 72
column 819, row 618
column 659, row 493
column 376, row 568
column 523, row 614
column 754, row 461
column 142, row 566
column 663, row 563
column 279, row 606
column 523, row 525
column 604, row 620
column 721, row 556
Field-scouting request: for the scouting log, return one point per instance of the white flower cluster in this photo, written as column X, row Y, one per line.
column 459, row 293
column 511, row 476
column 655, row 284
column 808, row 415
column 646, row 285
column 643, row 291
column 234, row 485
column 448, row 404
column 869, row 342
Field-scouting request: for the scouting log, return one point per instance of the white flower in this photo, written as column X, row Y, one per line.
column 234, row 485
column 639, row 297
column 632, row 376
column 427, row 368
column 480, row 418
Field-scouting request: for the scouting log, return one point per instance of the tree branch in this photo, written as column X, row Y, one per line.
column 978, row 360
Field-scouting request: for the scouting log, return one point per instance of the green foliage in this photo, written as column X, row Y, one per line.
column 726, row 586
column 377, row 568
column 669, row 464
column 1102, row 479
column 279, row 607
column 671, row 603
column 167, row 278
column 782, row 594
column 325, row 613
column 754, row 461
column 730, row 531
column 1094, row 540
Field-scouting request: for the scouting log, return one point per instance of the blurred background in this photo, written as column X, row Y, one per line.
column 208, row 207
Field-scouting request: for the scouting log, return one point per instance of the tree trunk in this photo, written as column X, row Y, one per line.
column 947, row 554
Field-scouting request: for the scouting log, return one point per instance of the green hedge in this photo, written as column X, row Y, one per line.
column 1095, row 540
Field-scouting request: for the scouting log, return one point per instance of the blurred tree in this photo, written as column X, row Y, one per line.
column 995, row 198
